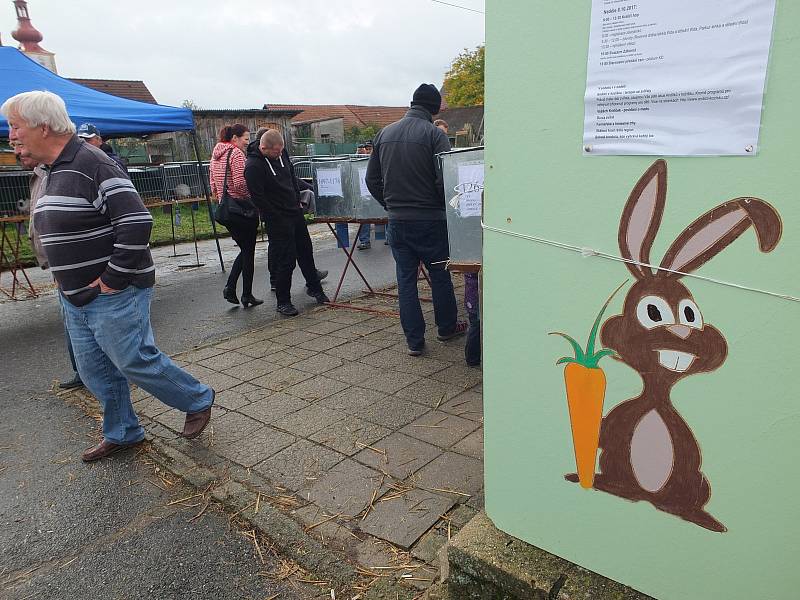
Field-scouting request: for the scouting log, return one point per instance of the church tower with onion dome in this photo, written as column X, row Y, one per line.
column 29, row 37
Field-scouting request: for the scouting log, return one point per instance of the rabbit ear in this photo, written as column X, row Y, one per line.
column 711, row 233
column 641, row 218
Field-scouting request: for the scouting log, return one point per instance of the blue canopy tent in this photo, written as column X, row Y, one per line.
column 113, row 116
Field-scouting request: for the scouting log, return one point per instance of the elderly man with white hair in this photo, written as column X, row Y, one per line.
column 95, row 231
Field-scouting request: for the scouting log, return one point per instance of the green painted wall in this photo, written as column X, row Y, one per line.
column 745, row 415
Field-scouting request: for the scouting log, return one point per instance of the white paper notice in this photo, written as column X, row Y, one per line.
column 362, row 181
column 329, row 182
column 470, row 186
column 684, row 77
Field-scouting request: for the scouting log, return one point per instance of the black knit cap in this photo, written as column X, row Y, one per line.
column 428, row 97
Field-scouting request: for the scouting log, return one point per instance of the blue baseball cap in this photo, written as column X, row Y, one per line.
column 87, row 130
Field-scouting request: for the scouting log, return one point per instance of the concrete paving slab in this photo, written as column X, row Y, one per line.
column 149, row 407
column 392, row 412
column 251, row 369
column 346, row 489
column 308, row 420
column 468, row 405
column 291, row 355
column 354, row 372
column 429, row 392
column 350, row 435
column 322, row 327
column 440, row 429
column 353, row 350
column 295, row 337
column 400, row 456
column 318, row 364
column 230, row 427
column 415, row 365
column 219, row 381
column 322, row 343
column 256, row 446
column 262, row 349
column 299, row 466
column 222, row 362
column 353, row 400
column 316, row 388
column 472, row 445
column 199, row 354
column 390, row 381
column 402, row 520
column 281, row 379
column 427, row 549
column 241, row 395
column 273, row 406
column 450, row 473
column 460, row 375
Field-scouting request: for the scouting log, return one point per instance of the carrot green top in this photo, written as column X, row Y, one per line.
column 588, row 358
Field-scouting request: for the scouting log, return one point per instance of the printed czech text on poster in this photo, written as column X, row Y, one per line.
column 678, row 78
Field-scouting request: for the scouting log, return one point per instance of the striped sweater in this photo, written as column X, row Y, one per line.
column 92, row 223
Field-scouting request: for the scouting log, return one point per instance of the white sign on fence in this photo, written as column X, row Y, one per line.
column 470, row 187
column 683, row 77
column 362, row 181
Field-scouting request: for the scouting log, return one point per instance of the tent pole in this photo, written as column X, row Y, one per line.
column 208, row 197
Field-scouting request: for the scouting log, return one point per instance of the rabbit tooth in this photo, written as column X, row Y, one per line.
column 674, row 360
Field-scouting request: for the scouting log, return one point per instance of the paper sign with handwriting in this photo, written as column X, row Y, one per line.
column 329, row 182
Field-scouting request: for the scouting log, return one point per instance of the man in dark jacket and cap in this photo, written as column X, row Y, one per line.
column 405, row 177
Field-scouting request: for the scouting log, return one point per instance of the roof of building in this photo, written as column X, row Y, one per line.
column 458, row 117
column 243, row 111
column 122, row 88
column 353, row 115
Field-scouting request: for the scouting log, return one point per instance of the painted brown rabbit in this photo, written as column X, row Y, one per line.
column 648, row 452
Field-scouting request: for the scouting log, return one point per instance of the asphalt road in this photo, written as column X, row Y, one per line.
column 75, row 531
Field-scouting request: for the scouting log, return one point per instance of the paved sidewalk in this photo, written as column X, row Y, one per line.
column 377, row 454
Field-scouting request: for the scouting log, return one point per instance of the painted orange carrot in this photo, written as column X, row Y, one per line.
column 586, row 390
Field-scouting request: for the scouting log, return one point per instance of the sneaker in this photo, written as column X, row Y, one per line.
column 287, row 310
column 416, row 351
column 271, row 286
column 320, row 296
column 73, row 383
column 461, row 329
column 364, row 245
column 321, row 274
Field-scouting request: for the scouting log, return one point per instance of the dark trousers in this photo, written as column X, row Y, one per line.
column 414, row 242
column 290, row 244
column 244, row 264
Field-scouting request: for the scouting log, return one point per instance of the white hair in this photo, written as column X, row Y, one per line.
column 40, row 108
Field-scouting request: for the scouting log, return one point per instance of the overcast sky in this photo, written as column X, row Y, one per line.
column 244, row 53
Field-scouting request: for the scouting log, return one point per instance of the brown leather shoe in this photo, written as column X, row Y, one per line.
column 196, row 422
column 103, row 449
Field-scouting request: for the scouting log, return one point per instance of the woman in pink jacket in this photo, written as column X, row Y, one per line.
column 233, row 140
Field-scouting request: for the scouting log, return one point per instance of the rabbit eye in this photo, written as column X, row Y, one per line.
column 689, row 314
column 654, row 311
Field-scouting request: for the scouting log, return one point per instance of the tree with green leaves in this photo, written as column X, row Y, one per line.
column 190, row 104
column 463, row 83
column 361, row 134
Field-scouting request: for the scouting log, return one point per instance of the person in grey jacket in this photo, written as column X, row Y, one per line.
column 403, row 174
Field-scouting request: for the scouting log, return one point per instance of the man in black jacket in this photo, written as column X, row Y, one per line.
column 274, row 190
column 403, row 174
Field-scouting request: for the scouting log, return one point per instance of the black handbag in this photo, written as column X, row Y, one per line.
column 233, row 212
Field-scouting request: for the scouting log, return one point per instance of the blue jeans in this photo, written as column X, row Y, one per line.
column 343, row 233
column 113, row 344
column 414, row 242
column 380, row 233
column 61, row 302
